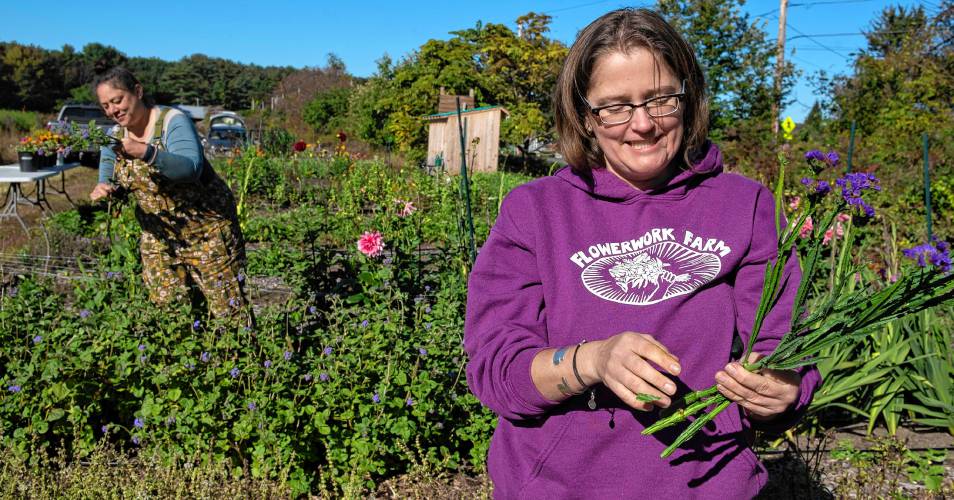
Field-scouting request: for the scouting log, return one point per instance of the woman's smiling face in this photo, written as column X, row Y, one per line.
column 123, row 106
column 640, row 151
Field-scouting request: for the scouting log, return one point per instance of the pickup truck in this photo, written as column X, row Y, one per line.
column 81, row 114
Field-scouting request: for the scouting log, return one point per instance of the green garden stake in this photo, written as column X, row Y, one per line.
column 927, row 185
column 465, row 185
column 851, row 144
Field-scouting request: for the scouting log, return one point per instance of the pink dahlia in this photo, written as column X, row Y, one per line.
column 371, row 243
column 407, row 208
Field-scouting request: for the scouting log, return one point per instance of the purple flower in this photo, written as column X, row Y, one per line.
column 104, row 428
column 823, row 188
column 427, row 288
column 267, row 364
column 327, row 351
column 409, row 401
column 14, row 388
column 323, row 377
column 170, row 420
column 422, row 351
column 375, row 398
column 937, row 254
column 135, row 440
column 138, row 423
column 37, row 339
column 241, row 278
column 427, row 309
column 307, row 377
column 832, row 158
column 287, row 355
column 190, row 366
column 85, row 313
column 427, row 326
column 142, row 347
column 204, row 357
column 387, row 261
column 807, row 181
column 234, row 372
column 364, row 324
column 196, row 324
column 251, row 406
column 418, row 299
column 233, row 302
column 142, row 359
column 312, row 309
column 815, row 155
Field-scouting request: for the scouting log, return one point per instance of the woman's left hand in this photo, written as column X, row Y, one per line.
column 763, row 395
column 133, row 148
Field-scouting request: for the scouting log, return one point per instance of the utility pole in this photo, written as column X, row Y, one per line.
column 779, row 65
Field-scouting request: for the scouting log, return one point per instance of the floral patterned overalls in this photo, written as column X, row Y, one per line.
column 190, row 230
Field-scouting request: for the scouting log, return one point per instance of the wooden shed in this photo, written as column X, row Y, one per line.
column 481, row 133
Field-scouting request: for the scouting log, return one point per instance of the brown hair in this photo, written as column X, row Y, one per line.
column 621, row 31
column 122, row 79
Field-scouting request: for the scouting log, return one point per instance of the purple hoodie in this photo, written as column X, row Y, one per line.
column 573, row 258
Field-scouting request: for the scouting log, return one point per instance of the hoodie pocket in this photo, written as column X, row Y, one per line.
column 729, row 426
column 560, row 430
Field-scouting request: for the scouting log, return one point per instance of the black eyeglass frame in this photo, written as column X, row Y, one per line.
column 633, row 107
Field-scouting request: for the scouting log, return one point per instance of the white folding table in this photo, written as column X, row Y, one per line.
column 14, row 178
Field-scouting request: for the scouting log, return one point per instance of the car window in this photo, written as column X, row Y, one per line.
column 84, row 115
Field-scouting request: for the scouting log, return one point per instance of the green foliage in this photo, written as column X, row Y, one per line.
column 18, row 122
column 277, row 141
column 327, row 111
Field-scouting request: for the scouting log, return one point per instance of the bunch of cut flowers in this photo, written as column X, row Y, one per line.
column 845, row 312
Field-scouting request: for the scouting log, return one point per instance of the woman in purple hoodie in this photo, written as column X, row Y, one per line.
column 633, row 271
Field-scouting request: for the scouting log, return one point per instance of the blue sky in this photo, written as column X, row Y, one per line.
column 822, row 33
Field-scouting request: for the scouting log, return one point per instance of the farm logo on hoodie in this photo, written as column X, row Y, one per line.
column 651, row 268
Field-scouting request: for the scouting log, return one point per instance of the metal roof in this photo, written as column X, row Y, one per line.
column 464, row 112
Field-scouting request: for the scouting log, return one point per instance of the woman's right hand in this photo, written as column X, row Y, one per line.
column 101, row 190
column 622, row 363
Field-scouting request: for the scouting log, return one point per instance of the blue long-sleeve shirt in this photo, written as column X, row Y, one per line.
column 181, row 161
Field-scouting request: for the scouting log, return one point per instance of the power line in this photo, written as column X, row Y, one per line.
column 816, row 42
column 809, row 4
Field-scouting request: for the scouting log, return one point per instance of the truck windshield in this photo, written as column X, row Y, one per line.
column 84, row 115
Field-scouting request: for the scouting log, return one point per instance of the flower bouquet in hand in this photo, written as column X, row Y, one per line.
column 843, row 313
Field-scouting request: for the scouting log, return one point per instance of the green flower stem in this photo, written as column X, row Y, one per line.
column 679, row 416
column 696, row 426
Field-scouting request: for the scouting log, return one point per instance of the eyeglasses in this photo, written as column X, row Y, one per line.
column 657, row 107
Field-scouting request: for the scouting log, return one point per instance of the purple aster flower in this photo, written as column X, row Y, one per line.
column 427, row 326
column 807, row 181
column 204, row 357
column 427, row 288
column 287, row 355
column 37, row 339
column 241, row 278
column 323, row 377
column 267, row 364
column 190, row 366
column 142, row 358
column 427, row 309
column 138, row 423
column 251, row 406
column 233, row 302
column 312, row 309
column 364, row 324
column 135, row 440
column 14, row 388
column 832, row 158
column 307, row 377
column 375, row 398
column 822, row 188
column 387, row 261
column 85, row 313
column 196, row 324
column 815, row 155
column 422, row 351
column 409, row 401
column 104, row 428
column 142, row 347
column 327, row 351
column 234, row 372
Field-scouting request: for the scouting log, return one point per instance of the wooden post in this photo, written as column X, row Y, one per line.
column 779, row 66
